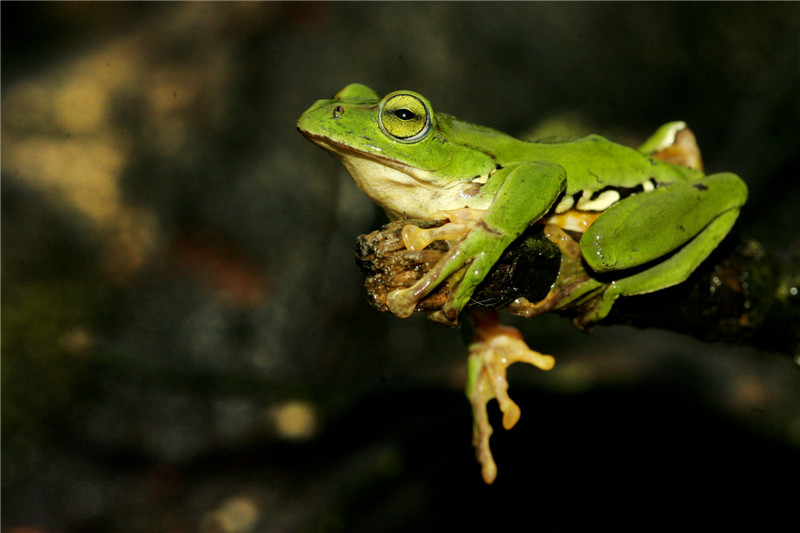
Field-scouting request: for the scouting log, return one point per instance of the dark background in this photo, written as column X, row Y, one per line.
column 186, row 344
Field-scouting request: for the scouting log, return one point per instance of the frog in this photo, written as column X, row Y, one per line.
column 631, row 220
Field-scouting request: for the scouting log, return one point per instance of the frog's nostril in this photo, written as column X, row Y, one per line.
column 338, row 111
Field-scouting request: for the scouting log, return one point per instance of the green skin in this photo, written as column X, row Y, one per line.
column 415, row 163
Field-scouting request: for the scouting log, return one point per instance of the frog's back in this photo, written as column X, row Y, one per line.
column 591, row 162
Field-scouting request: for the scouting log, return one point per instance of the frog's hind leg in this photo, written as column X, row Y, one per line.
column 672, row 271
column 678, row 267
column 674, row 142
column 672, row 229
column 650, row 226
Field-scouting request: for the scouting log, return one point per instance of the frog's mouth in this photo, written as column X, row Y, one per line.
column 347, row 153
column 402, row 190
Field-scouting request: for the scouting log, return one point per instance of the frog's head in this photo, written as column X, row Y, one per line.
column 398, row 152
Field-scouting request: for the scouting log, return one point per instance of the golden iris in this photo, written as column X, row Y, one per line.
column 405, row 117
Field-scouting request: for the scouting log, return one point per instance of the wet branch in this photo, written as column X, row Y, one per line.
column 743, row 294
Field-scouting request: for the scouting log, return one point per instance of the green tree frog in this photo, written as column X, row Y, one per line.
column 638, row 220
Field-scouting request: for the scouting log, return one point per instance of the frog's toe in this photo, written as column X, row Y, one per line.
column 500, row 352
column 462, row 221
column 415, row 238
column 596, row 308
column 402, row 302
column 443, row 318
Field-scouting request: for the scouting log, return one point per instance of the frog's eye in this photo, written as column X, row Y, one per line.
column 405, row 117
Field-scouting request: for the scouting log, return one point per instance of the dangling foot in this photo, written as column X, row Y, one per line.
column 496, row 347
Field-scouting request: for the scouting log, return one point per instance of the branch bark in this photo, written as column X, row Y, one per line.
column 742, row 294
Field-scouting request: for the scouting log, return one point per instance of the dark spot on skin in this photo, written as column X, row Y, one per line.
column 474, row 190
column 483, row 224
column 338, row 111
column 701, row 186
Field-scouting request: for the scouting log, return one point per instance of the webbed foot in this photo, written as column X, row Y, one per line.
column 496, row 347
column 402, row 302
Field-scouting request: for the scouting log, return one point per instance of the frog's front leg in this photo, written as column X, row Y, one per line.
column 494, row 348
column 521, row 194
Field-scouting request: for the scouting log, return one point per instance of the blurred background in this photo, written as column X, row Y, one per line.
column 186, row 342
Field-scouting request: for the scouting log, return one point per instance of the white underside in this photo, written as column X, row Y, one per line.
column 405, row 191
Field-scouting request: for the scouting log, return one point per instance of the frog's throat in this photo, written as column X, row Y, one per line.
column 402, row 190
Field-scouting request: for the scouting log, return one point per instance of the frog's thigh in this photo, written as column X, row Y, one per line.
column 647, row 226
column 680, row 265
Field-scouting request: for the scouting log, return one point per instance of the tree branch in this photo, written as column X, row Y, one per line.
column 742, row 294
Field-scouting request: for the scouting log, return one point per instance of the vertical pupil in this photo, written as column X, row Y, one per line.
column 404, row 114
